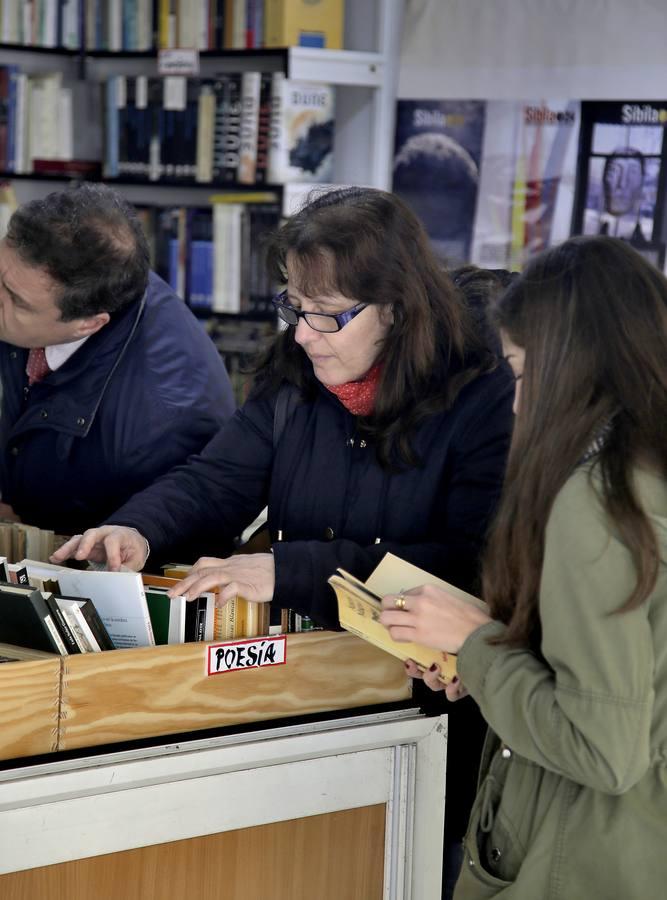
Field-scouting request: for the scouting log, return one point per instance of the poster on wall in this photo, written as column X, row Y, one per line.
column 527, row 185
column 436, row 169
column 621, row 181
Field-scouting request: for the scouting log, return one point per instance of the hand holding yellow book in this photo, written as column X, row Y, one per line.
column 359, row 608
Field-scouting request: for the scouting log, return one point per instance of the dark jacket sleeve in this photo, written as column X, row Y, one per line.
column 467, row 496
column 215, row 495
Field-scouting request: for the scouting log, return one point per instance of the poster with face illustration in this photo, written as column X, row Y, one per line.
column 620, row 178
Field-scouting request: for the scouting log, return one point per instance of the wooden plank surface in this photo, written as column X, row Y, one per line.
column 131, row 694
column 328, row 857
column 29, row 707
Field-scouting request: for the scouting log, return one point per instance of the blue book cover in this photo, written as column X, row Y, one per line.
column 112, row 131
column 13, row 72
column 437, row 154
column 200, row 258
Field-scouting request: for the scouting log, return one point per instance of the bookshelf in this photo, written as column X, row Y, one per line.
column 365, row 75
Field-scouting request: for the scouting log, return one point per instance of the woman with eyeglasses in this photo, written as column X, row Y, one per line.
column 570, row 666
column 379, row 421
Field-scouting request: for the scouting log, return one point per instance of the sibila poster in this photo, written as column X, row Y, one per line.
column 527, row 184
column 620, row 174
column 437, row 167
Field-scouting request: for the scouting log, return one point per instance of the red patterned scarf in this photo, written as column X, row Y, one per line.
column 358, row 397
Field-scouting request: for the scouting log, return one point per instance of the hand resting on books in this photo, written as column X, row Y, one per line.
column 115, row 545
column 436, row 618
column 251, row 576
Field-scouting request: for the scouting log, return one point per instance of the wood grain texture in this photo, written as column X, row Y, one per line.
column 29, row 707
column 337, row 856
column 125, row 695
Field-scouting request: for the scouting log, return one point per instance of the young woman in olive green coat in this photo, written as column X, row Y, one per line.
column 570, row 666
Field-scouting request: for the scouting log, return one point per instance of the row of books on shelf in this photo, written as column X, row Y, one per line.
column 41, row 23
column 214, row 257
column 18, row 540
column 141, row 25
column 56, row 609
column 238, row 128
column 36, row 119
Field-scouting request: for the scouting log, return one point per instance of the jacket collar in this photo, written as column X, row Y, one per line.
column 69, row 398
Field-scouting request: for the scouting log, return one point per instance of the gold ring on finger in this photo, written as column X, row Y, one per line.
column 399, row 602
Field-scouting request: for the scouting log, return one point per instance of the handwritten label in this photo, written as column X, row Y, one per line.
column 253, row 653
column 179, row 61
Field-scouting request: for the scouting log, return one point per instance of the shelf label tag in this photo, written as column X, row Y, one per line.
column 178, row 61
column 254, row 653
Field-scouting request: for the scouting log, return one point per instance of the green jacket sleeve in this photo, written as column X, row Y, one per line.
column 585, row 711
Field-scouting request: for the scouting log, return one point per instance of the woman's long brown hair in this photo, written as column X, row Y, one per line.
column 369, row 246
column 591, row 315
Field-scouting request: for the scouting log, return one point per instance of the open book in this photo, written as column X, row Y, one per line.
column 359, row 609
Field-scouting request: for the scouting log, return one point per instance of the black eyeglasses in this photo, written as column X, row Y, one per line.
column 328, row 322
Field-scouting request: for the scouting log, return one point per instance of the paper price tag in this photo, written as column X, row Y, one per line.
column 254, row 653
column 178, row 61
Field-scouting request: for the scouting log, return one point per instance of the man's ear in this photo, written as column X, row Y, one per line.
column 91, row 324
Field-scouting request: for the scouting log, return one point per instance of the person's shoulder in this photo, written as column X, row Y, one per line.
column 584, row 486
column 498, row 379
column 168, row 321
column 486, row 396
column 161, row 297
column 578, row 512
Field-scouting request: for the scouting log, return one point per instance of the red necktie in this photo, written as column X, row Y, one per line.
column 37, row 366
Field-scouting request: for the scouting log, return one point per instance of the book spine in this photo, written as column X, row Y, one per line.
column 263, row 126
column 155, row 167
column 274, row 31
column 4, row 117
column 141, row 161
column 57, row 642
column 96, row 625
column 111, row 132
column 51, row 629
column 62, row 625
column 190, row 129
column 277, row 152
column 227, row 128
column 250, row 97
column 219, row 28
column 126, row 125
column 205, row 121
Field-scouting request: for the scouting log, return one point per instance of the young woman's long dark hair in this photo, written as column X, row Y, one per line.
column 367, row 245
column 591, row 315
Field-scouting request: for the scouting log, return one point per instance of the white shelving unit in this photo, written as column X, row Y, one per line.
column 366, row 76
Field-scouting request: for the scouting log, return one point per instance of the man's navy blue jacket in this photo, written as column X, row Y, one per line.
column 136, row 399
column 330, row 500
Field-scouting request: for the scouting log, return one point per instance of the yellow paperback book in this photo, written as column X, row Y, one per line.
column 304, row 23
column 359, row 609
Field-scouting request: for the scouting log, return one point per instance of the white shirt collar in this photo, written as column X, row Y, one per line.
column 58, row 354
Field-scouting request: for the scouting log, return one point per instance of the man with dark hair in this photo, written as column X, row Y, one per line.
column 108, row 381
